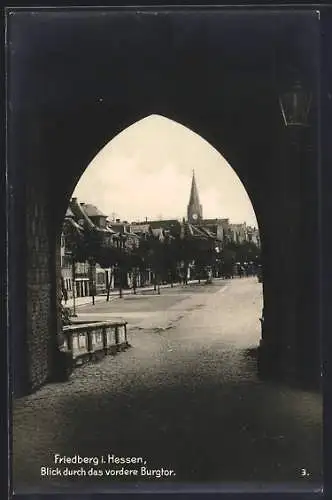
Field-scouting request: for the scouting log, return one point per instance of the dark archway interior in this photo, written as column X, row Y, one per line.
column 77, row 81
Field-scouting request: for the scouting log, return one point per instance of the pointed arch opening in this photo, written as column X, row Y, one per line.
column 163, row 152
column 158, row 178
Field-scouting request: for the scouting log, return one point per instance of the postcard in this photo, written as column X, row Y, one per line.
column 164, row 287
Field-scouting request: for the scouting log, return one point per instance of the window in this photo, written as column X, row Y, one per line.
column 100, row 278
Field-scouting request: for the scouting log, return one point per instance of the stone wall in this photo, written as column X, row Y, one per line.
column 39, row 285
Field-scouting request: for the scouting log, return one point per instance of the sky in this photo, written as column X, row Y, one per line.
column 146, row 171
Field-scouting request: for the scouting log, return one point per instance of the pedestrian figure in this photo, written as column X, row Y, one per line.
column 65, row 295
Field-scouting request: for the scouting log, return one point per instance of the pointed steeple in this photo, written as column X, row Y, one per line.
column 194, row 211
column 194, row 198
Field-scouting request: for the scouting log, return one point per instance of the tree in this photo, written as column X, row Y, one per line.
column 120, row 253
column 134, row 263
column 241, row 252
column 108, row 258
column 170, row 260
column 228, row 259
column 152, row 252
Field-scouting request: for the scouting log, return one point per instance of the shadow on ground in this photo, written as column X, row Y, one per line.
column 203, row 430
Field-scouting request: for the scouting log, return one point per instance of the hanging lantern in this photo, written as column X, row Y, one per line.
column 295, row 106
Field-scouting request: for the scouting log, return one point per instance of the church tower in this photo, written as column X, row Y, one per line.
column 194, row 210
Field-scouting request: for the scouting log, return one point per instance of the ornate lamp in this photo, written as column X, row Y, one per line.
column 295, row 106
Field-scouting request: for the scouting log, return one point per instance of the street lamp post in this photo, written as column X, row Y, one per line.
column 217, row 252
column 73, row 271
column 157, row 266
column 121, row 240
column 295, row 105
column 135, row 264
column 135, row 279
column 279, row 346
column 92, row 276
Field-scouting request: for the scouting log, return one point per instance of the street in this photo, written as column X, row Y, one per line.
column 185, row 396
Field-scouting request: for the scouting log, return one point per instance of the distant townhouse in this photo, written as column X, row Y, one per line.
column 81, row 278
column 75, row 274
column 239, row 232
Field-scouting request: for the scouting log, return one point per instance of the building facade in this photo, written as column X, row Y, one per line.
column 81, row 278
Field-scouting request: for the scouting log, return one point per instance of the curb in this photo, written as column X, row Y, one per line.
column 140, row 291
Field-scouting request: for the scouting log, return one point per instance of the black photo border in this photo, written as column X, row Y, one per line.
column 325, row 264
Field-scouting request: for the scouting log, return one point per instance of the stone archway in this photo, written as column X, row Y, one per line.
column 217, row 77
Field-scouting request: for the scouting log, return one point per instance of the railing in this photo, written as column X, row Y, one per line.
column 91, row 341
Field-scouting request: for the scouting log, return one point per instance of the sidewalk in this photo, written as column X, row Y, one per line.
column 81, row 301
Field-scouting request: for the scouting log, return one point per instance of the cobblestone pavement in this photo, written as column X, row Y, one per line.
column 185, row 397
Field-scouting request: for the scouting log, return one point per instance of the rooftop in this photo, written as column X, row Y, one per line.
column 69, row 213
column 92, row 210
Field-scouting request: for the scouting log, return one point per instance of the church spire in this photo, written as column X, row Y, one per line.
column 194, row 211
